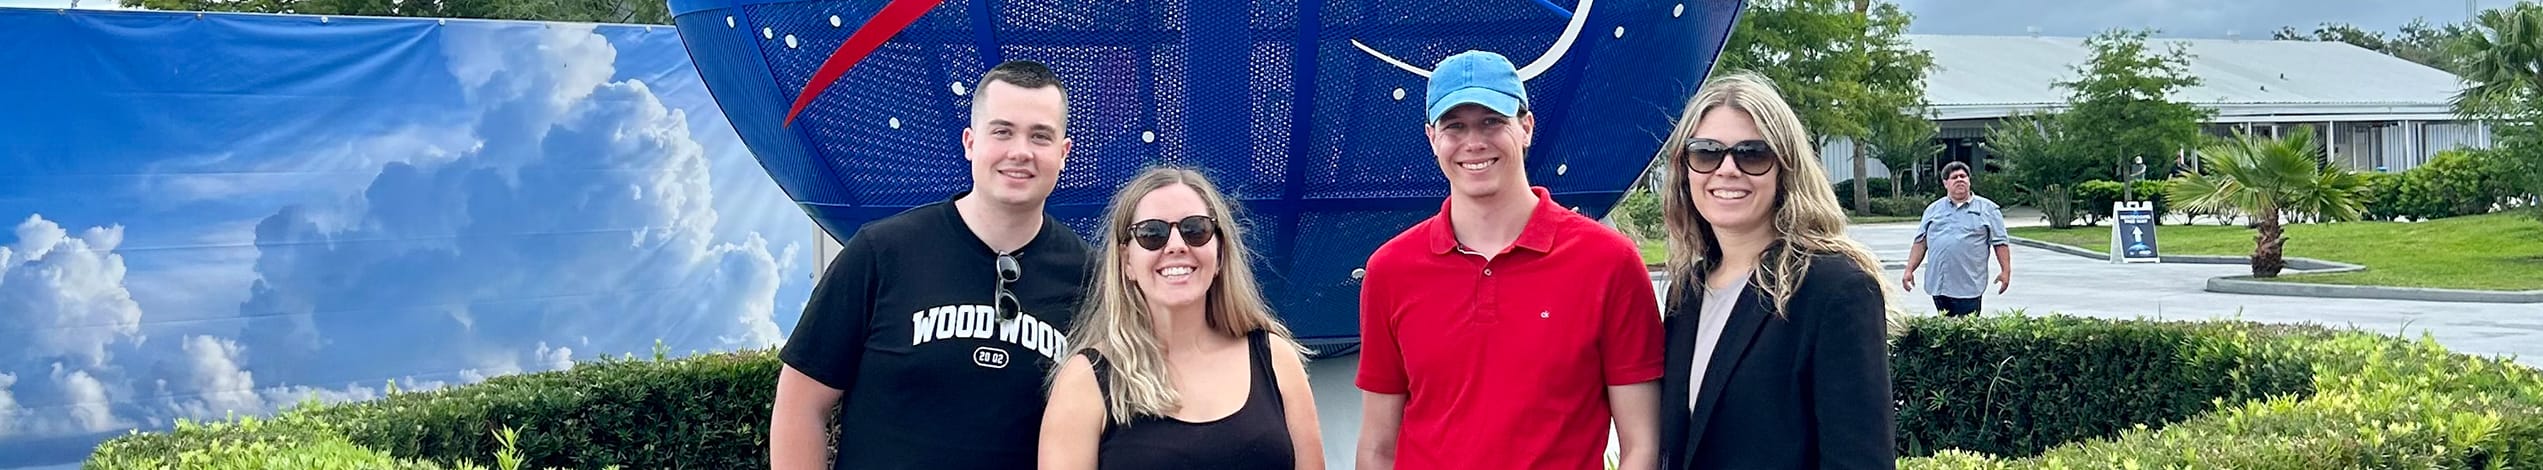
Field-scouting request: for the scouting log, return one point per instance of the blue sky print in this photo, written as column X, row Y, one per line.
column 233, row 213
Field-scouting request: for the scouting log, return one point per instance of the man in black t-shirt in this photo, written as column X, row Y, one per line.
column 934, row 329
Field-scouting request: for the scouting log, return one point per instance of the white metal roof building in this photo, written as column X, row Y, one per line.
column 2386, row 113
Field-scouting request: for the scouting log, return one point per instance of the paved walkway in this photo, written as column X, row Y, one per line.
column 2046, row 281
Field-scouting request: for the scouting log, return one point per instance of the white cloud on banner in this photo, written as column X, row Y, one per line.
column 68, row 292
column 567, row 209
column 8, row 404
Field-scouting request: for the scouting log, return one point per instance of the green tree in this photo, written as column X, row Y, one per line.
column 2036, row 152
column 2336, row 32
column 2503, row 63
column 2120, row 108
column 2266, row 179
column 1900, row 145
column 1843, row 64
column 2418, row 41
column 588, row 11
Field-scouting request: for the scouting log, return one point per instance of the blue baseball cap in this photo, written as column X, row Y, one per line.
column 1475, row 77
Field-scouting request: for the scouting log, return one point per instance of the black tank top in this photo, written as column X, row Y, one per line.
column 1255, row 437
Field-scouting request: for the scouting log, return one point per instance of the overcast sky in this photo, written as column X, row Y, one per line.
column 2175, row 18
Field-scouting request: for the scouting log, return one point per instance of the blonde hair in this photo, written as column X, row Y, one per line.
column 1116, row 322
column 1806, row 218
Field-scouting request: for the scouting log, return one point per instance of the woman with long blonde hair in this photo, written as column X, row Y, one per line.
column 1777, row 351
column 1181, row 363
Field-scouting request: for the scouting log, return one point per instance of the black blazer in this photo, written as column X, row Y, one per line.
column 1810, row 389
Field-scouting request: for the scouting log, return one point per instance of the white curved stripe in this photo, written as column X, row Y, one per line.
column 1580, row 18
column 1399, row 63
column 1571, row 31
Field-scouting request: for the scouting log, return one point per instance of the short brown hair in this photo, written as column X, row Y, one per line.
column 1023, row 74
column 1962, row 167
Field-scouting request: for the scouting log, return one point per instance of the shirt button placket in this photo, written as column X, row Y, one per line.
column 1487, row 296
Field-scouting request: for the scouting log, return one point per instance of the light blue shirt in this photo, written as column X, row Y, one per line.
column 1958, row 239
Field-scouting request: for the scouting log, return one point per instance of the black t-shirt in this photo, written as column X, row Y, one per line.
column 905, row 322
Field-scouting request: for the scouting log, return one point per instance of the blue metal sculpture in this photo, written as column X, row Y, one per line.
column 1308, row 112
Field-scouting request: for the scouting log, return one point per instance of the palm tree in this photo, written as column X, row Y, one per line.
column 2502, row 62
column 2267, row 178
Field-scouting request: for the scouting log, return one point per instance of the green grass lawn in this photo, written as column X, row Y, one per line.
column 2491, row 252
column 1654, row 251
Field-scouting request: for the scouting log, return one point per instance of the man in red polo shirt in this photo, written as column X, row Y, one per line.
column 1507, row 331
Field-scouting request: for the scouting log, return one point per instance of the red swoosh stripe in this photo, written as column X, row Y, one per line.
column 890, row 21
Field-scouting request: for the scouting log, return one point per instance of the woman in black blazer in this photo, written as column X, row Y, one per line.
column 1777, row 348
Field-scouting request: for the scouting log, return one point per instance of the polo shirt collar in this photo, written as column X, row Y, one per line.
column 1537, row 236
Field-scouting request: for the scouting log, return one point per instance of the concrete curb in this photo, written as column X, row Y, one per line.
column 2247, row 285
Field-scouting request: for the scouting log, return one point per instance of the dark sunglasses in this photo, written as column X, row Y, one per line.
column 1008, row 272
column 1754, row 157
column 1151, row 234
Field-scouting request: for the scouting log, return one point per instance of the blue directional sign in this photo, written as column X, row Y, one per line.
column 2132, row 238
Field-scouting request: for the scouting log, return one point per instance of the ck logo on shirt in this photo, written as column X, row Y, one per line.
column 981, row 322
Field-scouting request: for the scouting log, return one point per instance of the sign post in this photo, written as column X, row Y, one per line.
column 2132, row 236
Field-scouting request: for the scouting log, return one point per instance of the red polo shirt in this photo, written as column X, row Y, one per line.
column 1505, row 363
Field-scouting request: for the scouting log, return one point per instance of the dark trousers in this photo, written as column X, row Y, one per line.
column 1955, row 306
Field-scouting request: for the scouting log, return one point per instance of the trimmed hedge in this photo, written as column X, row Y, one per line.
column 2455, row 183
column 2383, row 196
column 704, row 412
column 708, row 411
column 1904, row 206
column 1884, row 203
column 2016, row 385
column 2378, row 402
column 2098, row 196
column 1880, row 188
column 2007, row 385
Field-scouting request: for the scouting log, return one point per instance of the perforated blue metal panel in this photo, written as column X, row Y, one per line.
column 1318, row 140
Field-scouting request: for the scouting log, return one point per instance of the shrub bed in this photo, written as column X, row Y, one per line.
column 1880, row 188
column 2016, row 385
column 1978, row 393
column 2455, row 183
column 708, row 411
column 2378, row 402
column 704, row 412
column 2098, row 197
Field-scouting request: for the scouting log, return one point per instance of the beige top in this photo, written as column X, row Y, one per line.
column 1709, row 320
